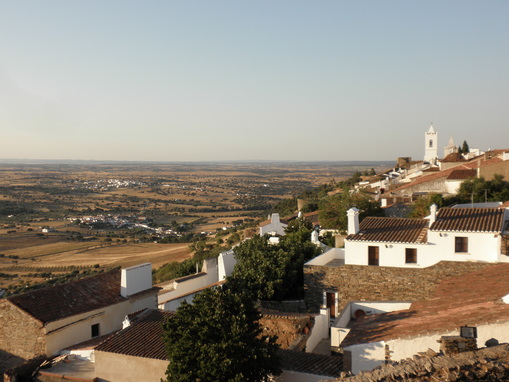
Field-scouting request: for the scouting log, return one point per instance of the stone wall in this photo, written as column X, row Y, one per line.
column 20, row 334
column 369, row 283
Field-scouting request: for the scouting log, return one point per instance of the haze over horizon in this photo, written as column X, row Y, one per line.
column 227, row 80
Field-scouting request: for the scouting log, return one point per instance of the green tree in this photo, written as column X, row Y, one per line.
column 333, row 209
column 479, row 190
column 218, row 338
column 274, row 271
column 421, row 206
column 464, row 148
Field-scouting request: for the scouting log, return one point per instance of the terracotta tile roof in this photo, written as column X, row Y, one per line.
column 80, row 296
column 441, row 174
column 454, row 157
column 462, row 174
column 310, row 363
column 469, row 220
column 471, row 299
column 393, row 230
column 144, row 338
column 312, row 217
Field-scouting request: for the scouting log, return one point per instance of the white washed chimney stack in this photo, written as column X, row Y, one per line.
column 353, row 220
column 433, row 214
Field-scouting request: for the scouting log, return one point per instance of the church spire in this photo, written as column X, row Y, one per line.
column 431, row 145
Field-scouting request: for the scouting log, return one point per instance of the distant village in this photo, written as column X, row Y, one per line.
column 400, row 295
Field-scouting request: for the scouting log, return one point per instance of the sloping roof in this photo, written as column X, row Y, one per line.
column 469, row 220
column 394, row 230
column 470, row 299
column 144, row 338
column 462, row 174
column 80, row 296
column 454, row 157
column 472, row 164
column 310, row 363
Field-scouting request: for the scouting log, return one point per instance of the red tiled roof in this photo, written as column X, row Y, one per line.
column 454, row 157
column 441, row 174
column 80, row 296
column 394, row 230
column 310, row 363
column 143, row 338
column 471, row 299
column 469, row 220
column 462, row 174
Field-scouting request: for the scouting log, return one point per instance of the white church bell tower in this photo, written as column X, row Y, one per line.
column 431, row 148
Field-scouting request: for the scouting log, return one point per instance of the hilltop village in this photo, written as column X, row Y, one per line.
column 400, row 293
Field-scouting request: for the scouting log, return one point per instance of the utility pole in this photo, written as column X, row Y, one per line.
column 485, row 194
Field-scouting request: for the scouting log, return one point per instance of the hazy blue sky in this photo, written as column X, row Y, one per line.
column 247, row 80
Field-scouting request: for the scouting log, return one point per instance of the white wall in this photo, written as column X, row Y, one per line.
column 226, row 263
column 136, row 279
column 320, row 330
column 184, row 287
column 326, row 257
column 390, row 254
column 368, row 356
column 481, row 247
column 375, row 307
column 75, row 329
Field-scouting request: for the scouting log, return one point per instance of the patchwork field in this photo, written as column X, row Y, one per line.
column 57, row 218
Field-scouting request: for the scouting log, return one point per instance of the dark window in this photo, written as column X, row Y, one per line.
column 372, row 255
column 430, row 143
column 411, row 255
column 461, row 244
column 95, row 330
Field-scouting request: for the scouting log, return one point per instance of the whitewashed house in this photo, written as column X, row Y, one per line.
column 44, row 321
column 452, row 234
column 213, row 273
column 477, row 300
column 273, row 226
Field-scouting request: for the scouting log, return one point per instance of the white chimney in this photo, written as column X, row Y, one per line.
column 353, row 220
column 433, row 214
column 135, row 279
column 275, row 219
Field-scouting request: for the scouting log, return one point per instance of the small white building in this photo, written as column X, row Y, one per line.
column 476, row 300
column 213, row 273
column 273, row 226
column 44, row 321
column 452, row 234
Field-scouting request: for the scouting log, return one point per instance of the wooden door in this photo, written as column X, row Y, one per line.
column 331, row 303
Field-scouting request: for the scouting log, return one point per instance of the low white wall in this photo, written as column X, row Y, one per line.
column 320, row 330
column 324, row 258
column 378, row 307
column 184, row 287
column 367, row 356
